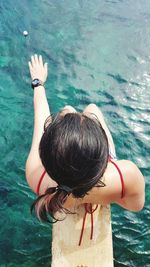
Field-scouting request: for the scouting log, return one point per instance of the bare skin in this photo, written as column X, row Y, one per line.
column 111, row 193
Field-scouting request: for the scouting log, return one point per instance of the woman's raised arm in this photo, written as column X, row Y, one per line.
column 38, row 72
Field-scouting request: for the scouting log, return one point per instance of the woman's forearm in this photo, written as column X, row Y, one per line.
column 41, row 112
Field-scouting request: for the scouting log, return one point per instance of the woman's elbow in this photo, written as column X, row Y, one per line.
column 138, row 203
column 134, row 203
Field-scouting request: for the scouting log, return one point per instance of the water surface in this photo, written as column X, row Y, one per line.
column 97, row 51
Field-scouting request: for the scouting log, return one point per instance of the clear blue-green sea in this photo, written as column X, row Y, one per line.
column 98, row 52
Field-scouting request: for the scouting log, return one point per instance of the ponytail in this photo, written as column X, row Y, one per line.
column 54, row 198
column 50, row 203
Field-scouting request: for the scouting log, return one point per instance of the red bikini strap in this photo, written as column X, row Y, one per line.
column 91, row 211
column 121, row 178
column 40, row 181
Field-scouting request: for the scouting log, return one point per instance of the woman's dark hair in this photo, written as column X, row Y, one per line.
column 74, row 151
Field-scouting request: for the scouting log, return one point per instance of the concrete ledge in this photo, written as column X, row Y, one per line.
column 92, row 253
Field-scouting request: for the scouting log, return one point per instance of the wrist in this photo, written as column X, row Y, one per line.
column 39, row 88
column 39, row 94
column 36, row 83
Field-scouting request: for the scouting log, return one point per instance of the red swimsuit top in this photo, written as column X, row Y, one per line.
column 88, row 207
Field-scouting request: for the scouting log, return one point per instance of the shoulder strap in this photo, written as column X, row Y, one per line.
column 121, row 178
column 40, row 181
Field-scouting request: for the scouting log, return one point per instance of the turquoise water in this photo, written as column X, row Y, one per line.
column 97, row 51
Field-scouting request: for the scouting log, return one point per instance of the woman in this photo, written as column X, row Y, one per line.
column 72, row 158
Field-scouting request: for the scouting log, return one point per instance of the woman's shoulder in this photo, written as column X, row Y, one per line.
column 39, row 180
column 131, row 175
column 133, row 182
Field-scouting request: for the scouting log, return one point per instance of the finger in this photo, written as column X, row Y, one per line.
column 36, row 59
column 30, row 65
column 33, row 60
column 41, row 60
column 46, row 68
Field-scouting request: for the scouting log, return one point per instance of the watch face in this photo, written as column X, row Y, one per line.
column 35, row 82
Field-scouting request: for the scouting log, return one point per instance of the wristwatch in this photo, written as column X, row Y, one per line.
column 36, row 82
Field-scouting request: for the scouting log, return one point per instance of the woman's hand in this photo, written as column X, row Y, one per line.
column 38, row 69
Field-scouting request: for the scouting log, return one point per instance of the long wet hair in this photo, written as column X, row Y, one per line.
column 74, row 152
